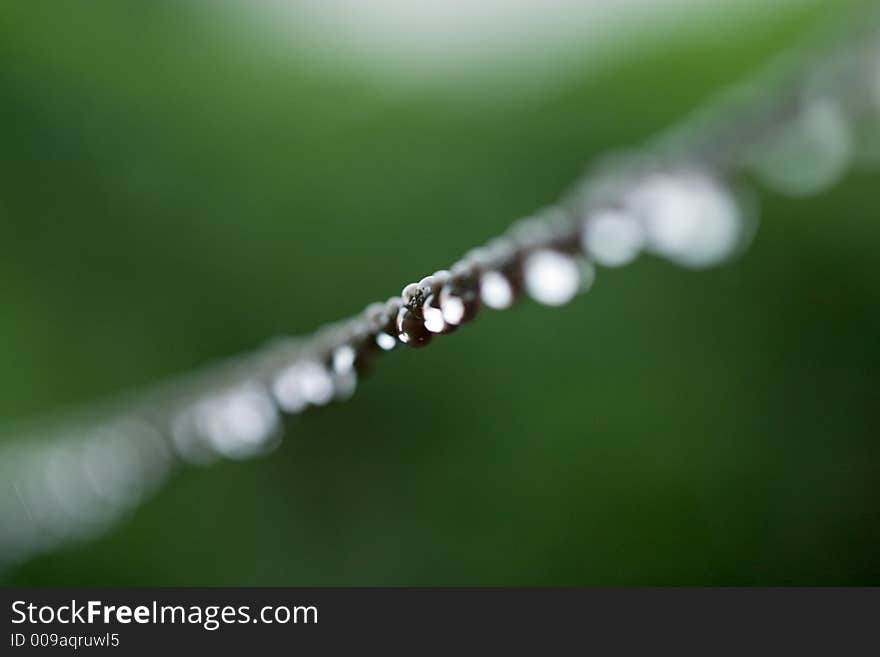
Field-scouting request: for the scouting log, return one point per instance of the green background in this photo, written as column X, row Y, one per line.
column 173, row 191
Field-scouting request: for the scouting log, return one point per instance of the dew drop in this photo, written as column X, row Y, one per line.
column 411, row 329
column 687, row 217
column 343, row 359
column 459, row 303
column 433, row 315
column 288, row 391
column 612, row 238
column 315, row 383
column 496, row 290
column 807, row 155
column 385, row 341
column 551, row 277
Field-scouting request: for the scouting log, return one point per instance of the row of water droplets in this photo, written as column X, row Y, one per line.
column 687, row 208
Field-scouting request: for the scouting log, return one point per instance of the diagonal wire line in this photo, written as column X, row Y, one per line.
column 683, row 197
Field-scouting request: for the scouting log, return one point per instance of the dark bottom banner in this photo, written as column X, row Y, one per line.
column 411, row 621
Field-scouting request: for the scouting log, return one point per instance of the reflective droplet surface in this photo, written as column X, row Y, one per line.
column 384, row 321
column 459, row 302
column 433, row 314
column 551, row 277
column 385, row 341
column 411, row 329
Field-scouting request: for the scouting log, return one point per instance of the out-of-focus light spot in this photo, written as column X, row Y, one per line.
column 495, row 290
column 316, row 383
column 251, row 420
column 550, row 277
column 288, row 391
column 343, row 359
column 17, row 531
column 113, row 467
column 612, row 238
column 687, row 217
column 154, row 455
column 73, row 488
column 385, row 341
column 434, row 320
column 75, row 496
column 807, row 155
column 187, row 438
column 237, row 423
column 41, row 503
column 453, row 309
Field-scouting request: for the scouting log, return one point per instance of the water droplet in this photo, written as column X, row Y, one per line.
column 808, row 154
column 386, row 342
column 315, row 383
column 551, row 277
column 687, row 217
column 612, row 238
column 238, row 423
column 496, row 291
column 433, row 315
column 411, row 329
column 343, row 359
column 288, row 392
column 459, row 302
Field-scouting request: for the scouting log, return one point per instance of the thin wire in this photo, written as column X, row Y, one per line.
column 678, row 198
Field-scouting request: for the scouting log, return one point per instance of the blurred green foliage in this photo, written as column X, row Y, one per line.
column 173, row 191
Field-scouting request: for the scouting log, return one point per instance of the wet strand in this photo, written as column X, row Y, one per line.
column 680, row 199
